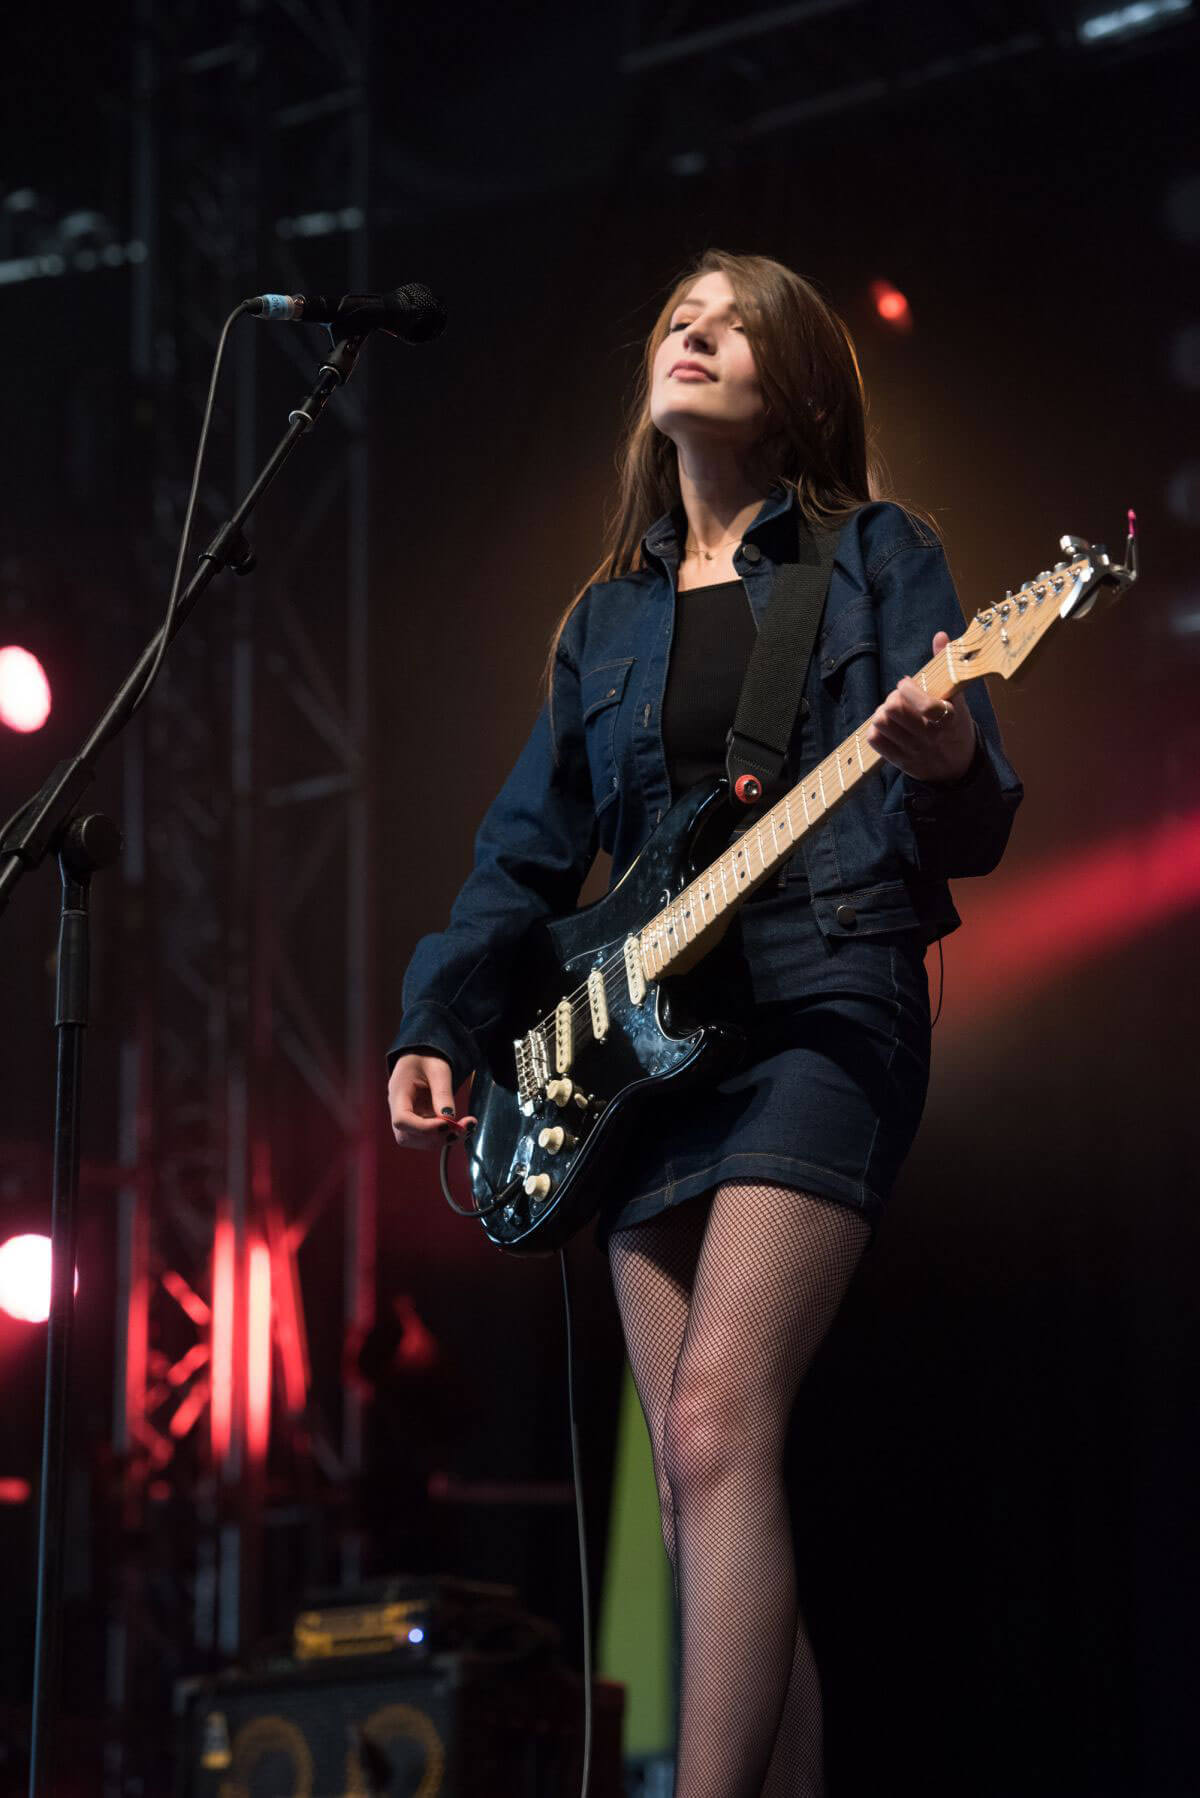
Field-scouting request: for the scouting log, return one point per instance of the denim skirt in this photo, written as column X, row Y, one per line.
column 831, row 1091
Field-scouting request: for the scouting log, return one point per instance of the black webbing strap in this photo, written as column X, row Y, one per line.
column 769, row 703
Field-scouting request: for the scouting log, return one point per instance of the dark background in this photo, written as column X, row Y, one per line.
column 995, row 1454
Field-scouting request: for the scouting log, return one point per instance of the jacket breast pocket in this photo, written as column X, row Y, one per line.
column 600, row 693
column 847, row 657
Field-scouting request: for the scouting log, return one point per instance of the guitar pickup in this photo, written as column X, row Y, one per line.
column 635, row 980
column 598, row 1004
column 564, row 1036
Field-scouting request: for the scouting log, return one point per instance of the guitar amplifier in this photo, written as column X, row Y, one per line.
column 370, row 1726
column 406, row 1612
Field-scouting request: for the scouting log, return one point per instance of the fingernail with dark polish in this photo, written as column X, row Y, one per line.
column 447, row 1111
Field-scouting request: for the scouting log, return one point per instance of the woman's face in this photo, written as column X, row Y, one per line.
column 722, row 404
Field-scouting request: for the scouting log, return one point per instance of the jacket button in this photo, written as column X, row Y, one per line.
column 611, row 693
column 751, row 552
column 804, row 709
column 846, row 917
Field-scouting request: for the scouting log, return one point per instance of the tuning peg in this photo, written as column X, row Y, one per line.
column 1074, row 546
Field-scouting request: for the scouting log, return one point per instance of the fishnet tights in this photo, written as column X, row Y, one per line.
column 723, row 1308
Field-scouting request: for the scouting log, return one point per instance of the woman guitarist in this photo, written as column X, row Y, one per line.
column 742, row 1213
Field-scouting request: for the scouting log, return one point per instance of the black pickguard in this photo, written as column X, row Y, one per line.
column 664, row 1038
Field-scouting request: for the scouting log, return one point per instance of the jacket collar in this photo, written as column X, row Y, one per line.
column 663, row 541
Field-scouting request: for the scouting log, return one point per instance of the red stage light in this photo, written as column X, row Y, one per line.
column 1048, row 921
column 288, row 1306
column 891, row 305
column 25, row 1278
column 15, row 1492
column 24, row 690
column 187, row 1300
column 221, row 1410
column 258, row 1352
column 189, row 1409
column 181, row 1371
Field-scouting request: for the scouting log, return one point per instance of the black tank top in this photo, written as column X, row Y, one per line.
column 710, row 652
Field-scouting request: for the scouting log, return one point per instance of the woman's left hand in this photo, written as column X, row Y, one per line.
column 931, row 739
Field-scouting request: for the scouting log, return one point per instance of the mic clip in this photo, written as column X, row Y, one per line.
column 230, row 548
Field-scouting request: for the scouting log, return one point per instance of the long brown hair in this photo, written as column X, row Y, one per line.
column 816, row 436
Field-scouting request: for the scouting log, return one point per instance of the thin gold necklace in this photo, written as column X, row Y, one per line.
column 708, row 554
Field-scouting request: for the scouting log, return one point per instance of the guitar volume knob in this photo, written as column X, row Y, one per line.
column 538, row 1185
column 560, row 1091
column 553, row 1138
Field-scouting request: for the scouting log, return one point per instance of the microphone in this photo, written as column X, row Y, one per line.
column 413, row 312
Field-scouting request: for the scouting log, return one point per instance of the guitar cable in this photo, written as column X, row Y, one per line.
column 577, row 1480
column 941, row 985
column 493, row 1203
column 576, row 1459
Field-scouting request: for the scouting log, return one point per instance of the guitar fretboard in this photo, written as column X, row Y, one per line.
column 682, row 925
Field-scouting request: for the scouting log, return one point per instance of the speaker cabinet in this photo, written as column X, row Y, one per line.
column 454, row 1726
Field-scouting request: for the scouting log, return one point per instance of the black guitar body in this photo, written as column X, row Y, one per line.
column 657, row 1042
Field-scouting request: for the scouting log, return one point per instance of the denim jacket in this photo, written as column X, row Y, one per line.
column 593, row 771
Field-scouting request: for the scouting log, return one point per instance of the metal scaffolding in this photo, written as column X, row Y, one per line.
column 250, row 1071
column 737, row 81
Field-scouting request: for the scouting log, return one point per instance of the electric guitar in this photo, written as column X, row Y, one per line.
column 598, row 1019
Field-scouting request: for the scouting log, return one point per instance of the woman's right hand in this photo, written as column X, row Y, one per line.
column 422, row 1102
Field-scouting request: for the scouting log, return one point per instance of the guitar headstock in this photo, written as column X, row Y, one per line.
column 1001, row 638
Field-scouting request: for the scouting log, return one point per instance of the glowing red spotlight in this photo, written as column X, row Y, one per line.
column 288, row 1314
column 24, row 690
column 221, row 1409
column 25, row 1278
column 258, row 1352
column 891, row 305
column 1088, row 904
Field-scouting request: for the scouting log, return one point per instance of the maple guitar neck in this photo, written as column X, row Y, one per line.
column 998, row 640
column 684, row 931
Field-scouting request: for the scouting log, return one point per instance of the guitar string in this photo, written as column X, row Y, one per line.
column 615, row 964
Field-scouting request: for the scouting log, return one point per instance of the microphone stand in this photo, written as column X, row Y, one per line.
column 48, row 825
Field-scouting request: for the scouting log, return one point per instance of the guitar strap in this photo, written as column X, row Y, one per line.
column 772, row 695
